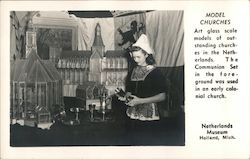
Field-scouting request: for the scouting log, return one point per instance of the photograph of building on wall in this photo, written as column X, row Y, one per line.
column 67, row 65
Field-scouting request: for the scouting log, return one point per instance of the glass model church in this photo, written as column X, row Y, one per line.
column 38, row 86
column 78, row 67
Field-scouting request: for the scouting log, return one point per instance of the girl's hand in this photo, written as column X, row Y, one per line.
column 135, row 101
column 123, row 99
column 120, row 94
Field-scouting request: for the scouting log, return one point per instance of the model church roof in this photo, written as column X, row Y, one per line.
column 115, row 53
column 33, row 69
column 76, row 54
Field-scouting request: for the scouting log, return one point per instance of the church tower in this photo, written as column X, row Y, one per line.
column 98, row 50
column 98, row 46
column 30, row 42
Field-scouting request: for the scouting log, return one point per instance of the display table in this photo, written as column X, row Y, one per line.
column 112, row 131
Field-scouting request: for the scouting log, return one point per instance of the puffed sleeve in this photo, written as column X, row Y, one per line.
column 159, row 82
column 128, row 84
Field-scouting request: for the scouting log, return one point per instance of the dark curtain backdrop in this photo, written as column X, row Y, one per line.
column 175, row 91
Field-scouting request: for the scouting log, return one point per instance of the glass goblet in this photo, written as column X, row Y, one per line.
column 91, row 109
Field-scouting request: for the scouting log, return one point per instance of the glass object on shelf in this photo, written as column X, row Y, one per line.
column 76, row 110
column 91, row 109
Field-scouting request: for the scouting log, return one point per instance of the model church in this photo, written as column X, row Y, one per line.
column 38, row 86
column 106, row 68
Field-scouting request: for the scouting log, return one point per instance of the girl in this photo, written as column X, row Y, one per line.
column 145, row 89
column 145, row 85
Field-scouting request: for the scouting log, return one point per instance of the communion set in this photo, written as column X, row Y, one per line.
column 95, row 112
column 101, row 113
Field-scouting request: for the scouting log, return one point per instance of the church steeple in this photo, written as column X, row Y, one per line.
column 30, row 42
column 98, row 46
column 98, row 37
column 95, row 67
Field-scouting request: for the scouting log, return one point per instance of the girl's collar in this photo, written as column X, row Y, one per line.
column 139, row 73
column 148, row 67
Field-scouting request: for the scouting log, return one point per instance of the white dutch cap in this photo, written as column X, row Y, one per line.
column 143, row 43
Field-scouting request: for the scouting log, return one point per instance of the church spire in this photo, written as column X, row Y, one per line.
column 98, row 37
